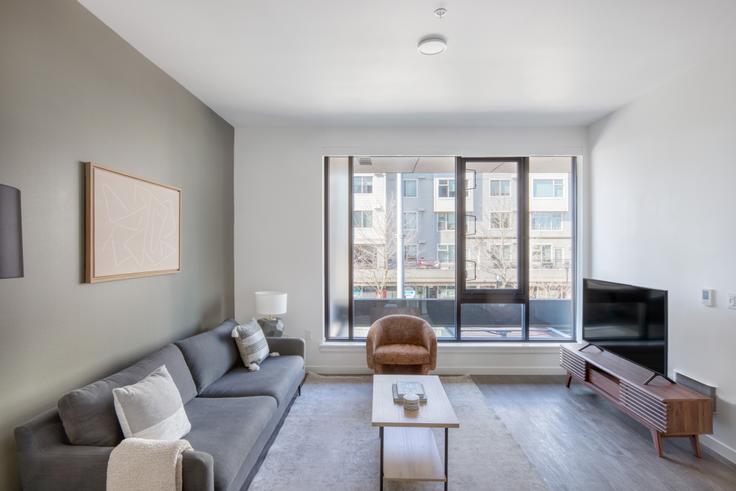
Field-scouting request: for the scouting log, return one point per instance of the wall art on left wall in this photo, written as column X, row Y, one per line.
column 132, row 226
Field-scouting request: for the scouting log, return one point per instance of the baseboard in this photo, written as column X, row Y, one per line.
column 719, row 448
column 363, row 370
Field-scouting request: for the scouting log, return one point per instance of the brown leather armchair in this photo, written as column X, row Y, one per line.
column 401, row 344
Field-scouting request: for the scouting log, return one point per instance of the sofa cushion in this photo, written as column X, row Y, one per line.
column 151, row 408
column 228, row 429
column 210, row 354
column 278, row 377
column 88, row 414
column 401, row 354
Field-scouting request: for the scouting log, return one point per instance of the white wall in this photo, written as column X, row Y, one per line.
column 662, row 215
column 279, row 218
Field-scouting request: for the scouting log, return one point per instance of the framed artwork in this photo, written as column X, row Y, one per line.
column 132, row 226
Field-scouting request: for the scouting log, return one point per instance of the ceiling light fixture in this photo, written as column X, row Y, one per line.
column 432, row 45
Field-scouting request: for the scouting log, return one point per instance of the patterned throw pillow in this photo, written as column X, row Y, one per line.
column 152, row 408
column 251, row 343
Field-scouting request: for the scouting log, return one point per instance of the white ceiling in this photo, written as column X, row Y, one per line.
column 510, row 62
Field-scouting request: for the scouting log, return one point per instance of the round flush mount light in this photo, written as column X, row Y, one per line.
column 432, row 45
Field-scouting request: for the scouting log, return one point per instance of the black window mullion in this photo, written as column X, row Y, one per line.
column 523, row 234
column 459, row 242
column 350, row 250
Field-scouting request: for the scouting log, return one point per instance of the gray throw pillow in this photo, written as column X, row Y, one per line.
column 251, row 343
column 152, row 408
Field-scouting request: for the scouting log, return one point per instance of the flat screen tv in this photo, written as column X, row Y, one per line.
column 627, row 320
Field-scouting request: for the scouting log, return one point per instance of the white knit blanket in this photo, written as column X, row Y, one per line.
column 138, row 464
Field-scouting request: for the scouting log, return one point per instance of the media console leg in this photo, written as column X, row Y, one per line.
column 568, row 381
column 657, row 440
column 695, row 442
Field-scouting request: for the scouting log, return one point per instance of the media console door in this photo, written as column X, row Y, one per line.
column 666, row 408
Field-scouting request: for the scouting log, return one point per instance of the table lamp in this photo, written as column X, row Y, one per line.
column 11, row 239
column 270, row 305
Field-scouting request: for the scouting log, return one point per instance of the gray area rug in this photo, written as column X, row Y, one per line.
column 327, row 443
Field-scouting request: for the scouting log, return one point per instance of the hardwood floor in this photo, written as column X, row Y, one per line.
column 579, row 441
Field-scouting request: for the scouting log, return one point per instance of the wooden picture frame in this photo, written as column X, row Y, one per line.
column 132, row 226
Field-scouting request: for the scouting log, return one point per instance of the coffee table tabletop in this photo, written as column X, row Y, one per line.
column 437, row 412
column 408, row 448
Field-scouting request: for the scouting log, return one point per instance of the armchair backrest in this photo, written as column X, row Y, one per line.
column 402, row 329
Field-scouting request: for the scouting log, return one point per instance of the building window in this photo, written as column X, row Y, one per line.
column 410, row 254
column 446, row 254
column 500, row 187
column 446, row 188
column 445, row 221
column 362, row 184
column 502, row 253
column 547, row 220
column 410, row 188
column 501, row 220
column 365, row 256
column 362, row 219
column 548, row 188
column 410, row 220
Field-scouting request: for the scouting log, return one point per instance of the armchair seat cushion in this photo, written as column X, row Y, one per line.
column 401, row 354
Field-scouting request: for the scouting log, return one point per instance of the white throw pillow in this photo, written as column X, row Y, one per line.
column 152, row 408
column 251, row 343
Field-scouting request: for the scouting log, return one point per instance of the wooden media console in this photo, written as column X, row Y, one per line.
column 664, row 407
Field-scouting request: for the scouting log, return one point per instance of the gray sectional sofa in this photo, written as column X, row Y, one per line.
column 234, row 415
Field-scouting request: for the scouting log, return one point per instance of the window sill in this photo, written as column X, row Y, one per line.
column 467, row 347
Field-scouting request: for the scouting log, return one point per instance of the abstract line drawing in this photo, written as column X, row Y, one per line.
column 133, row 226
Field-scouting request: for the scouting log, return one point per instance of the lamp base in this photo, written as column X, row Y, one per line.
column 272, row 328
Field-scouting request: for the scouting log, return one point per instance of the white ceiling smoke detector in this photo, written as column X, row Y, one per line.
column 432, row 45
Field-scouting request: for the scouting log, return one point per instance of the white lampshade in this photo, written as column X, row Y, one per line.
column 270, row 303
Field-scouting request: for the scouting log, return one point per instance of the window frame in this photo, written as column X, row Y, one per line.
column 362, row 186
column 449, row 188
column 363, row 214
column 403, row 187
column 416, row 221
column 545, row 212
column 499, row 180
column 448, row 215
column 462, row 295
column 554, row 180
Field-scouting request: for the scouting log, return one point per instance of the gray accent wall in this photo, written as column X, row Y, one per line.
column 71, row 90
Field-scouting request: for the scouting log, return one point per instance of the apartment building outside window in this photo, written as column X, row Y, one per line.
column 549, row 188
column 362, row 219
column 547, row 220
column 410, row 187
column 500, row 187
column 362, row 184
column 446, row 188
column 445, row 221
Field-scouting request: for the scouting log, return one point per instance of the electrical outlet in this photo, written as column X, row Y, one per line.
column 732, row 301
column 307, row 335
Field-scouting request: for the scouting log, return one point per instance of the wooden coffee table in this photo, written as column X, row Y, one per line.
column 408, row 448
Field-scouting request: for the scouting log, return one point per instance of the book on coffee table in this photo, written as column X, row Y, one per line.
column 400, row 389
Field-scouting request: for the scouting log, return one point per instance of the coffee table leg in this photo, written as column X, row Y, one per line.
column 380, row 434
column 447, row 476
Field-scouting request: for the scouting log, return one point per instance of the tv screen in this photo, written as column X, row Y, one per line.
column 630, row 321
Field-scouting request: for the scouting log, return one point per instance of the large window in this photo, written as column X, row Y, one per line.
column 493, row 262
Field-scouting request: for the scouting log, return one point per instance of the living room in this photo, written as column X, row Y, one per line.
column 268, row 216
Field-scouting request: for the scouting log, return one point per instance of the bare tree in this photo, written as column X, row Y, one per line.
column 374, row 249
